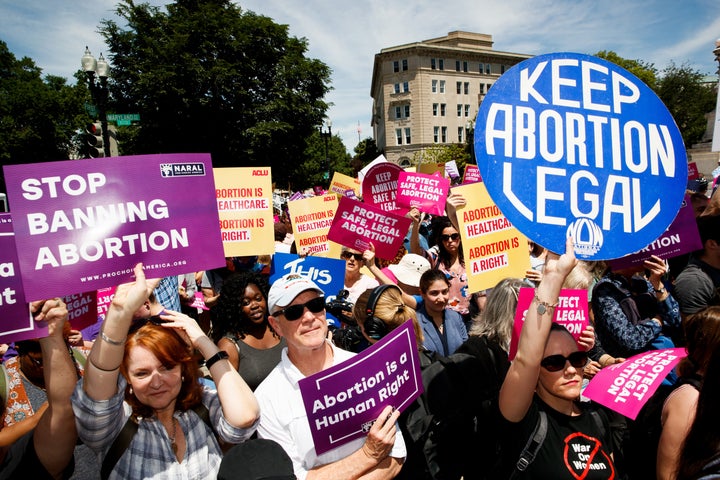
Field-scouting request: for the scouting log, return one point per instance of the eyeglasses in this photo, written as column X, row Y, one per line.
column 293, row 312
column 555, row 363
column 349, row 255
column 453, row 236
column 138, row 324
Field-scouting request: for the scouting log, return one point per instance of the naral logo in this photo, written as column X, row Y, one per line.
column 587, row 235
column 182, row 169
column 260, row 173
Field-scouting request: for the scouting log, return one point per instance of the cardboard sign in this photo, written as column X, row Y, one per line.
column 84, row 224
column 343, row 401
column 426, row 192
column 380, row 187
column 311, row 219
column 571, row 312
column 357, row 225
column 244, row 201
column 625, row 387
column 573, row 145
column 342, row 184
column 492, row 247
column 431, row 168
column 472, row 174
column 681, row 237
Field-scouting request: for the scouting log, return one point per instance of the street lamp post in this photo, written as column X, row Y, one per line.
column 97, row 74
column 326, row 135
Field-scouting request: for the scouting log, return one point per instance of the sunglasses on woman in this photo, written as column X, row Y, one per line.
column 555, row 363
column 293, row 312
column 349, row 255
column 453, row 236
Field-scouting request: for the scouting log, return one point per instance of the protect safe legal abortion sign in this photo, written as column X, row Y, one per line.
column 573, row 145
column 84, row 224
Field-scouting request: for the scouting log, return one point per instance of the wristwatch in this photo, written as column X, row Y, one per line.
column 660, row 290
column 220, row 355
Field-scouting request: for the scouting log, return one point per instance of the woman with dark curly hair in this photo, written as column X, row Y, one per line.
column 242, row 330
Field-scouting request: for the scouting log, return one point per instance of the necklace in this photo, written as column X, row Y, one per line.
column 173, row 445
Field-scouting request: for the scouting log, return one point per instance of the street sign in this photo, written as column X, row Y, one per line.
column 123, row 118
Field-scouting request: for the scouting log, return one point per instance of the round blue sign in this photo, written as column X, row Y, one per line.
column 573, row 145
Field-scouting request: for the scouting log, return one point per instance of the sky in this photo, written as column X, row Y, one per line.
column 346, row 34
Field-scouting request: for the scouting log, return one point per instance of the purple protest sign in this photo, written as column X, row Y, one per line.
column 380, row 186
column 84, row 224
column 343, row 401
column 82, row 309
column 571, row 312
column 426, row 192
column 357, row 225
column 625, row 387
column 681, row 237
column 472, row 174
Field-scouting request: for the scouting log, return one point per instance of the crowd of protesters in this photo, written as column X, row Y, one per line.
column 160, row 388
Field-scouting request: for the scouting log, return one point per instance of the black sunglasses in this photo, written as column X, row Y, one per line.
column 293, row 312
column 555, row 363
column 452, row 236
column 139, row 323
column 349, row 255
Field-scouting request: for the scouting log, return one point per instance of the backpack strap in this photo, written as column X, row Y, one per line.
column 122, row 441
column 527, row 456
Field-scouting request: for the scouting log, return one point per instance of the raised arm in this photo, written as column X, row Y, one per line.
column 452, row 203
column 518, row 388
column 102, row 369
column 369, row 258
column 55, row 435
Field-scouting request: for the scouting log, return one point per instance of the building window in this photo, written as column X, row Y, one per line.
column 435, row 109
column 396, row 66
column 441, row 64
column 398, row 112
column 481, row 67
column 465, row 67
column 467, row 110
column 466, row 88
column 482, row 88
column 442, row 85
column 397, row 88
column 406, row 108
column 436, row 134
column 457, row 65
column 434, row 86
column 444, row 135
column 407, row 136
column 502, row 69
column 487, row 69
column 459, row 109
column 406, row 87
column 460, row 134
column 404, row 64
column 442, row 109
column 398, row 134
column 432, row 64
column 459, row 87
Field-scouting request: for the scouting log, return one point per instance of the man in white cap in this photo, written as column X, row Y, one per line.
column 297, row 313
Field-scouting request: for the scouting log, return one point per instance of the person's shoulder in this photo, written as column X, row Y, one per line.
column 269, row 386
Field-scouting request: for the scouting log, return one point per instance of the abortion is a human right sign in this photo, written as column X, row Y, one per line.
column 573, row 145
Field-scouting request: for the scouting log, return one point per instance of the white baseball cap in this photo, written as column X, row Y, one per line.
column 286, row 288
column 410, row 269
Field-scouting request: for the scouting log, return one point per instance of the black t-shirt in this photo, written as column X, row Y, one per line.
column 575, row 446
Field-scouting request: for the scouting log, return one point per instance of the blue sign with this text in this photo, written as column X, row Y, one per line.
column 573, row 145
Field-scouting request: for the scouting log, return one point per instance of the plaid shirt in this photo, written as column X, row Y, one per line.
column 149, row 454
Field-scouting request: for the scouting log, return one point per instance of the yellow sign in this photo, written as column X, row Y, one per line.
column 341, row 183
column 311, row 219
column 244, row 201
column 492, row 247
column 431, row 167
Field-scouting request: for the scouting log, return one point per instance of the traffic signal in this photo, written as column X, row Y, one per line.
column 94, row 140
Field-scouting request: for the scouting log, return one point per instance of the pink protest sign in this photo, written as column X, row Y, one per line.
column 625, row 387
column 357, row 225
column 380, row 187
column 571, row 312
column 472, row 174
column 104, row 299
column 343, row 401
column 426, row 192
column 693, row 173
column 199, row 301
column 84, row 224
column 681, row 237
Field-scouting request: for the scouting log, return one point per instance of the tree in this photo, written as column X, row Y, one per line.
column 312, row 171
column 644, row 71
column 444, row 153
column 689, row 100
column 365, row 152
column 208, row 77
column 38, row 117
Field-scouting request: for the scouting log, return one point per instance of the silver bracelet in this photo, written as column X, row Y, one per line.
column 109, row 340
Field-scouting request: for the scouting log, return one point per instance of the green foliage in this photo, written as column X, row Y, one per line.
column 314, row 168
column 365, row 152
column 644, row 71
column 38, row 117
column 444, row 153
column 686, row 96
column 207, row 77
